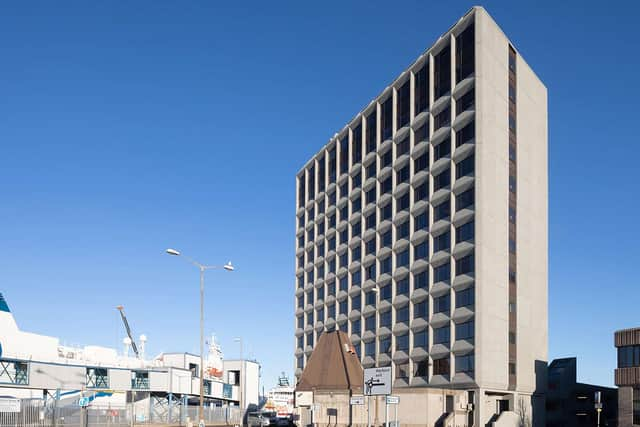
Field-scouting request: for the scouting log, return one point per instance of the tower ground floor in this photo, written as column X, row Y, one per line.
column 423, row 406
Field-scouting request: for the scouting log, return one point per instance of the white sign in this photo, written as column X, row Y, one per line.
column 377, row 381
column 393, row 400
column 357, row 400
column 9, row 405
column 304, row 398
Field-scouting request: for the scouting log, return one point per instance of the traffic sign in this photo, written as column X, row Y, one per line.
column 357, row 400
column 377, row 381
column 83, row 402
column 393, row 400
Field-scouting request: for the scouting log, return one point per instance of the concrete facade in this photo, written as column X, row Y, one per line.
column 406, row 233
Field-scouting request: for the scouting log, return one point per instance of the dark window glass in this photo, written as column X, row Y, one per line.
column 421, row 163
column 300, row 362
column 344, row 309
column 344, row 235
column 355, row 327
column 301, row 301
column 371, row 169
column 356, row 145
column 386, row 212
column 421, row 368
column 311, row 182
column 512, row 246
column 422, row 133
column 385, row 239
column 465, row 364
column 403, row 203
column 371, row 195
column 300, row 281
column 402, row 287
column 465, row 331
column 386, row 185
column 356, row 181
column 310, row 339
column 441, row 335
column 402, row 230
column 332, row 198
column 421, row 310
column 321, row 174
column 344, row 283
column 465, row 53
column 385, row 345
column 332, row 165
column 421, row 251
column 356, row 205
column 404, row 97
column 420, row 339
column 371, row 271
column 421, row 221
column 310, row 276
column 332, row 242
column 402, row 175
column 465, row 102
column 370, row 246
column 442, row 273
column 356, row 278
column 301, row 221
column 387, row 118
column 386, row 159
column 331, row 287
column 344, row 189
column 356, row 254
column 466, row 134
column 332, row 264
column 301, row 193
column 300, row 322
column 421, row 280
column 370, row 298
column 301, row 261
column 310, row 318
column 320, row 315
column 402, row 314
column 441, row 150
column 331, row 311
column 344, row 155
column 442, row 180
column 370, row 348
column 442, row 211
column 442, row 72
column 512, row 152
column 465, row 265
column 370, row 323
column 371, row 131
column 442, row 304
column 465, row 232
column 442, row 119
column 402, row 259
column 402, row 370
column 441, row 366
column 356, row 302
column 370, row 220
column 421, row 87
column 402, row 342
column 465, row 298
column 512, row 93
column 465, row 199
column 465, row 167
column 403, row 147
column 385, row 293
column 385, row 265
column 442, row 242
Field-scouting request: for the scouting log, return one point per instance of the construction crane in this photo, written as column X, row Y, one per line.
column 128, row 329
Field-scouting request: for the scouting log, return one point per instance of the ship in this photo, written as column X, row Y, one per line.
column 280, row 398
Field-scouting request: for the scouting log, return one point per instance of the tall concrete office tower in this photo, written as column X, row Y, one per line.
column 422, row 233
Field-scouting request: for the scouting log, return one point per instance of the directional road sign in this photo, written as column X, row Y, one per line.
column 377, row 381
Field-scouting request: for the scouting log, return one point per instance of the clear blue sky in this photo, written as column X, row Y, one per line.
column 129, row 127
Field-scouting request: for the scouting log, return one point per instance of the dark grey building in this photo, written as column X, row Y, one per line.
column 570, row 403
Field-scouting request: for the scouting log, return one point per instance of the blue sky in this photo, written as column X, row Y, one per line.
column 129, row 127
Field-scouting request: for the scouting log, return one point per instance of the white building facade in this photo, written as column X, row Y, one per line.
column 422, row 233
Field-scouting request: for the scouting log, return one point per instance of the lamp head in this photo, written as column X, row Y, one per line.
column 172, row 252
column 229, row 267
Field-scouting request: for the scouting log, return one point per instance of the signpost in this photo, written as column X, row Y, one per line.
column 377, row 382
column 391, row 400
column 357, row 400
column 9, row 405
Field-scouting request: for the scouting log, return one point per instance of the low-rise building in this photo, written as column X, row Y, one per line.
column 571, row 403
column 627, row 376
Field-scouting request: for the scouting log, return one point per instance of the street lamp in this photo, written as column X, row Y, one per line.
column 242, row 376
column 376, row 290
column 229, row 267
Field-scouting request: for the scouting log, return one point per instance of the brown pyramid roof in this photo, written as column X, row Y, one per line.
column 333, row 366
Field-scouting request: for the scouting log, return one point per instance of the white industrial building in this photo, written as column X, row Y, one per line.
column 38, row 366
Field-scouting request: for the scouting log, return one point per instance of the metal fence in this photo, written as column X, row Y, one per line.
column 38, row 413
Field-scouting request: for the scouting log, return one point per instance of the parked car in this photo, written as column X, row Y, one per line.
column 260, row 419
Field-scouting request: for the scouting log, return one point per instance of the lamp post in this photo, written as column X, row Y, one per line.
column 377, row 292
column 242, row 376
column 228, row 267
